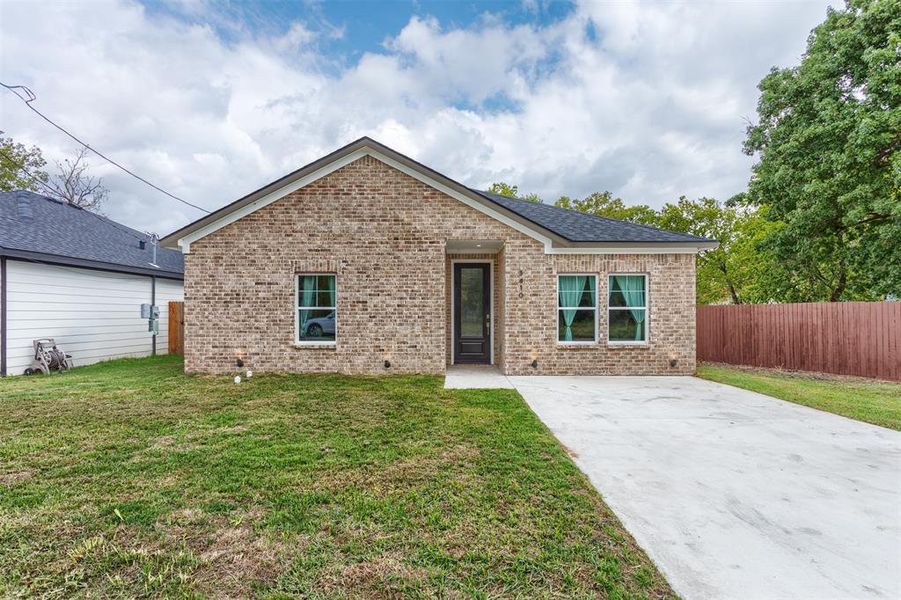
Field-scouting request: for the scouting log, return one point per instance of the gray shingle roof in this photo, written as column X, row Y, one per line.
column 577, row 226
column 34, row 226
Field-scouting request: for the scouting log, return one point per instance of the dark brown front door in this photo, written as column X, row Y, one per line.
column 472, row 313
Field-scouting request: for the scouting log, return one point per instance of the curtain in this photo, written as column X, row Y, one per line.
column 330, row 288
column 632, row 287
column 571, row 288
column 307, row 298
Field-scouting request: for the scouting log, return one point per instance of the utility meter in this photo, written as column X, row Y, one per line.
column 150, row 311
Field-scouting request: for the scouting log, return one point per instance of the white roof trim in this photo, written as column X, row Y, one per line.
column 185, row 242
column 652, row 249
column 549, row 248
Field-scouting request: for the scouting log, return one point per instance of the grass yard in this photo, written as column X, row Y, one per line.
column 876, row 402
column 130, row 478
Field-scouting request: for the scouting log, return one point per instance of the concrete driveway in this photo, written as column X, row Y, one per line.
column 735, row 494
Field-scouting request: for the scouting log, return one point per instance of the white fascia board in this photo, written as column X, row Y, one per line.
column 185, row 242
column 660, row 249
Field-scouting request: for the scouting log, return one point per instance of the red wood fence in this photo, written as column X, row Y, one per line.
column 176, row 327
column 848, row 338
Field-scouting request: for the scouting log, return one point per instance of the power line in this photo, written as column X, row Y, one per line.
column 34, row 178
column 30, row 96
column 38, row 180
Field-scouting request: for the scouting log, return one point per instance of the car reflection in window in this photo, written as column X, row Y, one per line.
column 316, row 328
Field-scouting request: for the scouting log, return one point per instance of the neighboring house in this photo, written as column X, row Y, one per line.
column 80, row 278
column 366, row 261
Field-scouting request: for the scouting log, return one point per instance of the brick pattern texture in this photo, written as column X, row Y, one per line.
column 384, row 233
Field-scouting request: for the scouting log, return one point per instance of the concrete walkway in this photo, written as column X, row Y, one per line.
column 475, row 377
column 735, row 494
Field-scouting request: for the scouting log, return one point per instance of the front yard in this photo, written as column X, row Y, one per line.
column 877, row 402
column 132, row 479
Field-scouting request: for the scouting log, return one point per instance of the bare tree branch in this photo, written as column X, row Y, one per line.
column 72, row 183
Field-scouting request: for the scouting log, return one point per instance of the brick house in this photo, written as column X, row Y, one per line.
column 366, row 261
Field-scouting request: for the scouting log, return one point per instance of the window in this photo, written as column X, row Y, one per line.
column 317, row 309
column 627, row 309
column 577, row 304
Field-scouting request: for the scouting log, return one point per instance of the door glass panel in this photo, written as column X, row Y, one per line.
column 472, row 307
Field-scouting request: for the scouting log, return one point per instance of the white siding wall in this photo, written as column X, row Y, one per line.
column 93, row 315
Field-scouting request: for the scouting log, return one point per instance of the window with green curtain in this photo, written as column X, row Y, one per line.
column 317, row 308
column 577, row 303
column 627, row 308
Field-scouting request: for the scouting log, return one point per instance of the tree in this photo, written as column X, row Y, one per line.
column 72, row 183
column 603, row 204
column 827, row 140
column 21, row 168
column 737, row 270
column 511, row 191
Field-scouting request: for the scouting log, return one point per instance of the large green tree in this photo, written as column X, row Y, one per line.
column 827, row 140
column 737, row 271
column 21, row 168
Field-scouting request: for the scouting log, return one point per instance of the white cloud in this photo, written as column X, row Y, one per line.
column 650, row 106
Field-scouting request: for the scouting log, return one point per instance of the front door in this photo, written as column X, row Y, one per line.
column 472, row 313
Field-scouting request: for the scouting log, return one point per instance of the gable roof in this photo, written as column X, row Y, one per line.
column 38, row 228
column 558, row 228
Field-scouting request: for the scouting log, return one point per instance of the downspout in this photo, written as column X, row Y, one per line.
column 152, row 304
column 3, row 316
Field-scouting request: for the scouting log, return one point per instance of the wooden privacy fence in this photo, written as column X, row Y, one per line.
column 847, row 338
column 176, row 327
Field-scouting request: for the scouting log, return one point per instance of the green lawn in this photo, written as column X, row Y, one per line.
column 876, row 402
column 131, row 479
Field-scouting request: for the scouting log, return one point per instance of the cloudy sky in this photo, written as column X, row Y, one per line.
column 212, row 100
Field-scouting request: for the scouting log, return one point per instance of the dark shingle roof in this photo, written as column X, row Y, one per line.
column 577, row 226
column 34, row 226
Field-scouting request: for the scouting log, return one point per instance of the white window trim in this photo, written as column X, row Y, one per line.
column 559, row 308
column 646, row 308
column 297, row 309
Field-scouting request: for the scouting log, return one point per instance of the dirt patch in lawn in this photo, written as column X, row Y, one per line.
column 14, row 477
column 384, row 576
column 813, row 375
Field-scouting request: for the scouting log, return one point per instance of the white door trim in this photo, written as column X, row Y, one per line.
column 490, row 263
